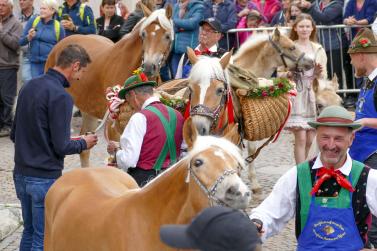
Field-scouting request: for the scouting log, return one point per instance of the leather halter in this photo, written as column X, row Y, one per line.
column 283, row 55
column 211, row 192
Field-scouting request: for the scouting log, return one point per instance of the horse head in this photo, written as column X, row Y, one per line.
column 215, row 165
column 263, row 53
column 290, row 56
column 209, row 90
column 325, row 92
column 157, row 34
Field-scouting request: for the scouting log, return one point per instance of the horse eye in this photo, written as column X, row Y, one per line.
column 143, row 34
column 167, row 37
column 219, row 91
column 198, row 162
column 292, row 48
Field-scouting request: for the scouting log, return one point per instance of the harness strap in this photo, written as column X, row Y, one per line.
column 304, row 182
column 169, row 145
column 56, row 26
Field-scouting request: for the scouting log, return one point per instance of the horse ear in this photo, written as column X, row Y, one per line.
column 147, row 12
column 334, row 82
column 224, row 61
column 276, row 35
column 231, row 134
column 169, row 11
column 189, row 133
column 315, row 85
column 191, row 56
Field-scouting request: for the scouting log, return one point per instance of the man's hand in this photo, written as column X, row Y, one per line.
column 68, row 25
column 305, row 4
column 259, row 225
column 112, row 147
column 91, row 140
column 31, row 34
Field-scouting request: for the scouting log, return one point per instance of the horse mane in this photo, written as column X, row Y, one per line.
column 159, row 15
column 203, row 143
column 252, row 42
column 206, row 69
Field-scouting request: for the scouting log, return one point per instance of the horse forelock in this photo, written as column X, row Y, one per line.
column 160, row 16
column 206, row 142
column 251, row 42
column 204, row 70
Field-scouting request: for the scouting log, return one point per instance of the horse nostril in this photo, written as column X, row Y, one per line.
column 247, row 194
column 233, row 191
column 202, row 131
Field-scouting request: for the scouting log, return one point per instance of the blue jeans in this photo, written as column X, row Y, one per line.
column 26, row 69
column 37, row 69
column 31, row 191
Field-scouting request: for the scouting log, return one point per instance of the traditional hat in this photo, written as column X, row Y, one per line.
column 137, row 79
column 336, row 116
column 364, row 42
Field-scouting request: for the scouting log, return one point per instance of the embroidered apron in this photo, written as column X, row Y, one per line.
column 328, row 223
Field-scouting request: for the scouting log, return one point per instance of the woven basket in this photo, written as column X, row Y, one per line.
column 263, row 116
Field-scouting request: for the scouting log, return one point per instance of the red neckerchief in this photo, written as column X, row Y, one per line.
column 206, row 51
column 325, row 174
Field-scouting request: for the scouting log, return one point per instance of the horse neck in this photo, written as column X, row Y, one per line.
column 171, row 198
column 264, row 63
column 127, row 53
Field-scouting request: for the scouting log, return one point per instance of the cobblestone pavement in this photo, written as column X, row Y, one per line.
column 273, row 161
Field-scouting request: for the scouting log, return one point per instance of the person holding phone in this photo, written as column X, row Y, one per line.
column 109, row 24
column 294, row 11
column 76, row 17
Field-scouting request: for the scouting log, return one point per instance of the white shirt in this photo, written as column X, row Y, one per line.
column 132, row 138
column 180, row 64
column 373, row 75
column 280, row 206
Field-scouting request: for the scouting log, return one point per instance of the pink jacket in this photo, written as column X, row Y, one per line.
column 242, row 36
column 270, row 8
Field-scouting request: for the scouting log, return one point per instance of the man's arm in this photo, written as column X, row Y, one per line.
column 368, row 122
column 371, row 192
column 279, row 207
column 131, row 141
column 11, row 37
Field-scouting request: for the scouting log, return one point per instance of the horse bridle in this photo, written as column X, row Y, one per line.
column 283, row 55
column 211, row 192
column 213, row 114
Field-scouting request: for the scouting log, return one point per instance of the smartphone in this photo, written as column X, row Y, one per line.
column 293, row 18
column 65, row 17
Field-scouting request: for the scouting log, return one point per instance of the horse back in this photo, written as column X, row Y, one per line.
column 80, row 203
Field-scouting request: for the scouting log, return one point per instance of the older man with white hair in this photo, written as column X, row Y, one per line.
column 10, row 32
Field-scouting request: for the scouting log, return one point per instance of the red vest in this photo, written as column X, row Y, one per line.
column 155, row 137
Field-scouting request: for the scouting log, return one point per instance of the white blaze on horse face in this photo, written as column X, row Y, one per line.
column 220, row 154
column 157, row 27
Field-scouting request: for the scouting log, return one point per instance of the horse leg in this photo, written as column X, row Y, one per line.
column 255, row 186
column 89, row 124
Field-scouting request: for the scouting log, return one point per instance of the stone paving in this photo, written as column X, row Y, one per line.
column 273, row 161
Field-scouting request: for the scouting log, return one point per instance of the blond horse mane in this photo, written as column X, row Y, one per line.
column 250, row 44
column 159, row 15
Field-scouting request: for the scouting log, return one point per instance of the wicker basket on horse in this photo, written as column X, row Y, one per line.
column 262, row 116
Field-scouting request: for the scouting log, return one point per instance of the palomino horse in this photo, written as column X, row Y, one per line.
column 209, row 82
column 103, row 209
column 148, row 44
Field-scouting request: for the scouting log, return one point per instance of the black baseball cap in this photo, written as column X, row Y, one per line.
column 214, row 229
column 213, row 23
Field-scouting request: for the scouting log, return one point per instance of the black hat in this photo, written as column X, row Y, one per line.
column 214, row 229
column 213, row 23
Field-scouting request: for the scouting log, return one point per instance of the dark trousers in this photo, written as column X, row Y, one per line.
column 8, row 90
column 142, row 176
column 31, row 192
column 372, row 234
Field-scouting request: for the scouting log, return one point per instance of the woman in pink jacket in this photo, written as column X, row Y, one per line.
column 268, row 8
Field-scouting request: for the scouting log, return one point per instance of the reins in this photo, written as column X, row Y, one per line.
column 283, row 55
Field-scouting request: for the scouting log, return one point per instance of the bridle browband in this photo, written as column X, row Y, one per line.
column 283, row 55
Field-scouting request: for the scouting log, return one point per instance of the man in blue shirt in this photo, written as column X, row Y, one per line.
column 41, row 136
column 76, row 18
